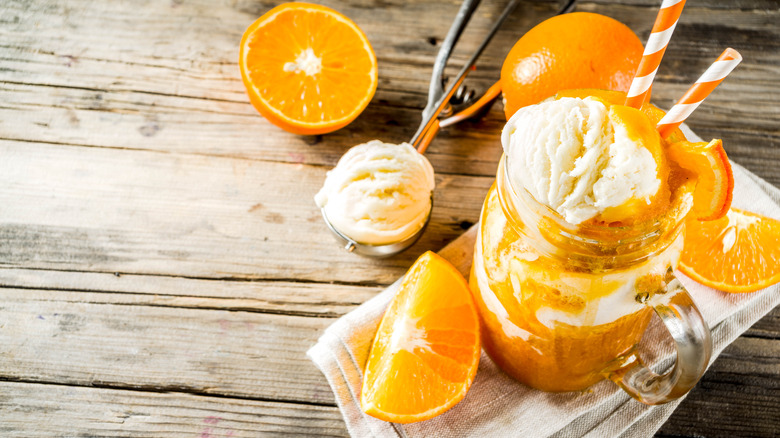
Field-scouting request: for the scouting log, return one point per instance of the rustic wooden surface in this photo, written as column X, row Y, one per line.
column 163, row 267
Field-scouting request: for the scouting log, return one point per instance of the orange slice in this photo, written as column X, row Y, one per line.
column 307, row 69
column 426, row 351
column 712, row 197
column 736, row 253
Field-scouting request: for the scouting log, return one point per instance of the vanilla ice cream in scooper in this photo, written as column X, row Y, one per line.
column 378, row 193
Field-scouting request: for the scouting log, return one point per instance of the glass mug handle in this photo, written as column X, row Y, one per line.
column 692, row 340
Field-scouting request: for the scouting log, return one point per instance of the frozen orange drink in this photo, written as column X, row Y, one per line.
column 577, row 244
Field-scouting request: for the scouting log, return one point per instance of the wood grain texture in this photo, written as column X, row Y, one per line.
column 77, row 411
column 201, row 351
column 298, row 298
column 162, row 265
column 82, row 87
column 731, row 403
column 150, row 212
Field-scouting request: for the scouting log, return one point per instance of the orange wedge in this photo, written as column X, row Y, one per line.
column 712, row 197
column 426, row 350
column 736, row 253
column 307, row 69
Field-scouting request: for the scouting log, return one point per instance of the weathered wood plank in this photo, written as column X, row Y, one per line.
column 251, row 355
column 284, row 297
column 111, row 412
column 292, row 298
column 83, row 88
column 726, row 405
column 763, row 354
column 47, row 337
column 195, row 216
column 767, row 327
column 30, row 409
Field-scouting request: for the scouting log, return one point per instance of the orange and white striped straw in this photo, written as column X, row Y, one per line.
column 707, row 82
column 659, row 38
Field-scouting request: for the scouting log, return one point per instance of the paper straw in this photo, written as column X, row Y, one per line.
column 662, row 31
column 699, row 91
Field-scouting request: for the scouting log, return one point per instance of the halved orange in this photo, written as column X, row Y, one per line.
column 307, row 68
column 713, row 193
column 736, row 253
column 426, row 350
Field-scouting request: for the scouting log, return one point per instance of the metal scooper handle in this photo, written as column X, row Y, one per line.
column 436, row 87
column 436, row 106
column 438, row 99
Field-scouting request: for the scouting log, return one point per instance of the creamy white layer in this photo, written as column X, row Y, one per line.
column 616, row 295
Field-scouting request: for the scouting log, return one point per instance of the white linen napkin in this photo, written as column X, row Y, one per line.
column 498, row 406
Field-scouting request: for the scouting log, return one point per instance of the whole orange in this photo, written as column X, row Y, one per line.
column 577, row 50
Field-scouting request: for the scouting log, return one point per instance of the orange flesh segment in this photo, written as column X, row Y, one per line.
column 643, row 133
column 426, row 350
column 708, row 161
column 737, row 253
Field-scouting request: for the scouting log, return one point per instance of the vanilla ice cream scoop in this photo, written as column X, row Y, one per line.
column 378, row 193
column 578, row 157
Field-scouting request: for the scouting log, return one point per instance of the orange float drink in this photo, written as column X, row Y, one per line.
column 552, row 320
column 576, row 248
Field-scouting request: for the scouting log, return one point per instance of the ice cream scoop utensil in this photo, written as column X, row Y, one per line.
column 474, row 111
column 436, row 87
column 438, row 101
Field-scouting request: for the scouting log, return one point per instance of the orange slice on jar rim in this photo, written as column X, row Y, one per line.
column 715, row 181
column 426, row 350
column 307, row 68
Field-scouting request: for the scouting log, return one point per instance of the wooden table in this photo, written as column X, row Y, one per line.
column 163, row 267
